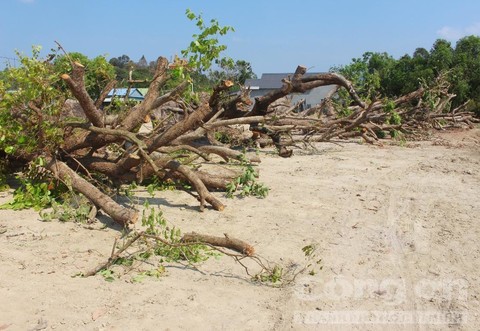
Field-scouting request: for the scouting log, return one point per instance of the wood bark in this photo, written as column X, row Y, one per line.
column 86, row 139
column 301, row 84
column 122, row 215
column 103, row 95
column 191, row 122
column 237, row 245
column 203, row 192
column 76, row 84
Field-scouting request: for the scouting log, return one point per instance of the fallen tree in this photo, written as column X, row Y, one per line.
column 349, row 117
column 76, row 151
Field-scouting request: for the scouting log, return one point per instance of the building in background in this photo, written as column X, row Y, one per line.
column 121, row 93
column 273, row 81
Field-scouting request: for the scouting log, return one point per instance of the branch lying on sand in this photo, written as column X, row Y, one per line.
column 227, row 242
column 189, row 239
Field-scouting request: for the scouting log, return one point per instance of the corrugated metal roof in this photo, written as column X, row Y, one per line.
column 143, row 90
column 122, row 92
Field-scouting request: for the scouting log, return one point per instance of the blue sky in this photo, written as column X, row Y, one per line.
column 274, row 35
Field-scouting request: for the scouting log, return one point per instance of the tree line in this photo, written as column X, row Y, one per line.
column 377, row 74
column 142, row 72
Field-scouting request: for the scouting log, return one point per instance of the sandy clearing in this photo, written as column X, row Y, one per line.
column 396, row 227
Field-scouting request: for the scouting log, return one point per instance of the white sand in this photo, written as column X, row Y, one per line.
column 397, row 229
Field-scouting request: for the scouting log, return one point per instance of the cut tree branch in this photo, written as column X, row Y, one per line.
column 76, row 84
column 237, row 245
column 118, row 213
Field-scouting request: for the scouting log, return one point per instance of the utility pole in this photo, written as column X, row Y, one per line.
column 8, row 59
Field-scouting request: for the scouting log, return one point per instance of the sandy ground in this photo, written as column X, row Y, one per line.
column 396, row 227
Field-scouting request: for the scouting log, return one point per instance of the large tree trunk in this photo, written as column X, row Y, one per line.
column 118, row 213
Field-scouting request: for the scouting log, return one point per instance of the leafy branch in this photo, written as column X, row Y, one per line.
column 247, row 183
column 205, row 47
column 167, row 244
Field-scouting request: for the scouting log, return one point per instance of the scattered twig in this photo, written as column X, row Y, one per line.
column 111, row 260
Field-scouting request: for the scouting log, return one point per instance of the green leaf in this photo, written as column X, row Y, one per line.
column 9, row 149
column 107, row 275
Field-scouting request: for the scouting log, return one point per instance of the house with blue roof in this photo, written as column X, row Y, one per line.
column 121, row 93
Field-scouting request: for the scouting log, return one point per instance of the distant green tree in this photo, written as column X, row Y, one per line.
column 422, row 70
column 143, row 74
column 121, row 61
column 370, row 73
column 141, row 71
column 466, row 72
column 421, row 54
column 409, row 72
column 122, row 66
column 121, row 75
column 98, row 72
column 399, row 80
column 238, row 71
column 379, row 74
column 200, row 81
column 441, row 56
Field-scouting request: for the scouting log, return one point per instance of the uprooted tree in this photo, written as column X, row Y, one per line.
column 98, row 146
column 77, row 151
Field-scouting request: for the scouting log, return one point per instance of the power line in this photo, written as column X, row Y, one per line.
column 9, row 59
